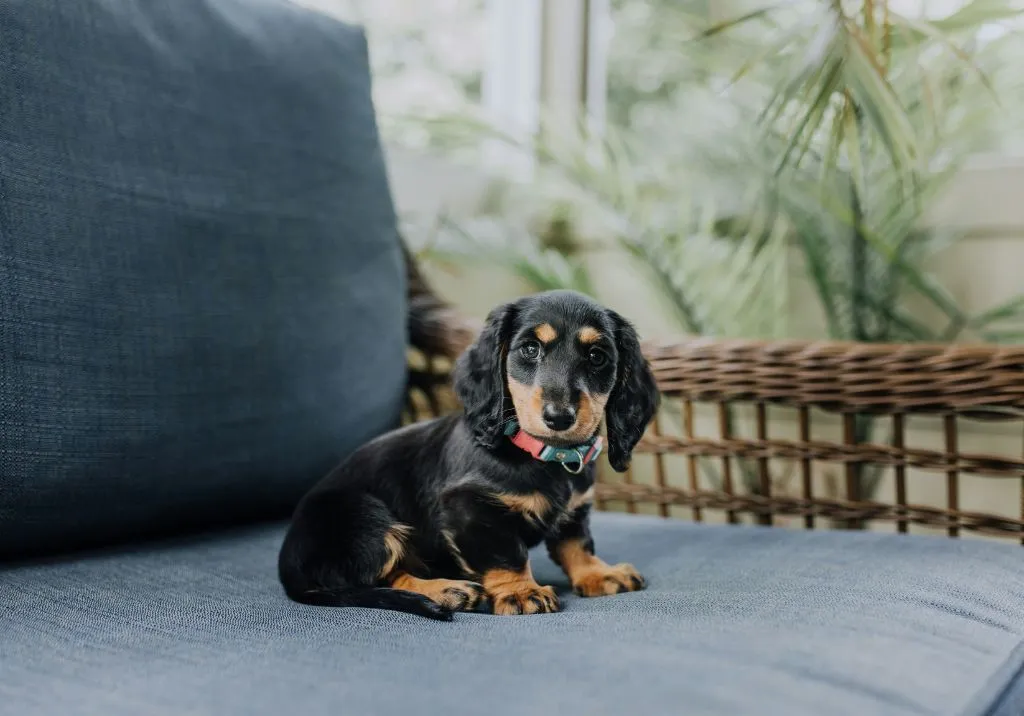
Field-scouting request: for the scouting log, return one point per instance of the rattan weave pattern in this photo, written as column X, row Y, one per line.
column 989, row 465
column 839, row 510
column 980, row 381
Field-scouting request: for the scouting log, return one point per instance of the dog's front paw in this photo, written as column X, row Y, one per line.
column 515, row 593
column 524, row 598
column 600, row 581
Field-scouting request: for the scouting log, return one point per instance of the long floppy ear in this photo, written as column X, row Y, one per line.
column 634, row 399
column 480, row 377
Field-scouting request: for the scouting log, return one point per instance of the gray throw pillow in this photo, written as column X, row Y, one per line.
column 202, row 294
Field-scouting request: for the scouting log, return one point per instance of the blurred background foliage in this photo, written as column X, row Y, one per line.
column 748, row 163
column 800, row 141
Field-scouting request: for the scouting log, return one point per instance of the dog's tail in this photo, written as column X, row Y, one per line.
column 397, row 600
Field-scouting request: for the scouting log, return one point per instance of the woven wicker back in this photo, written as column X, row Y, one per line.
column 849, row 412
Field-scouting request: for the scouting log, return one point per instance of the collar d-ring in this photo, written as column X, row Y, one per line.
column 579, row 466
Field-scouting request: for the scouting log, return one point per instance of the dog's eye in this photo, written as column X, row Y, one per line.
column 530, row 350
column 597, row 358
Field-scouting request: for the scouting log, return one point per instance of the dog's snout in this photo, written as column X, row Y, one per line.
column 558, row 417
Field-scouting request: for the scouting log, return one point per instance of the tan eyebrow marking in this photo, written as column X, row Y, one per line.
column 545, row 332
column 589, row 335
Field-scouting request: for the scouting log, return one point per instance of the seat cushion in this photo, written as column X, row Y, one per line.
column 736, row 620
column 202, row 297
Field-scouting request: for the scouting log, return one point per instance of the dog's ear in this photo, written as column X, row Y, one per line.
column 634, row 399
column 480, row 377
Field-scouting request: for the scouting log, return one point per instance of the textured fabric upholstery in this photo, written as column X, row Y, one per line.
column 202, row 302
column 736, row 621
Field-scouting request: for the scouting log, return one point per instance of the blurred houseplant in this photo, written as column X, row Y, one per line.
column 797, row 141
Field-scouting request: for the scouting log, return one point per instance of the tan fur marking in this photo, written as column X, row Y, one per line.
column 457, row 554
column 578, row 499
column 545, row 333
column 591, row 576
column 589, row 335
column 589, row 414
column 451, row 593
column 516, row 592
column 394, row 542
column 529, row 405
column 533, row 506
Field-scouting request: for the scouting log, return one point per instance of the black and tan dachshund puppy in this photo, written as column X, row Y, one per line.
column 438, row 517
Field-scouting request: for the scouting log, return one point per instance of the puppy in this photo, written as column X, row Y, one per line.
column 439, row 516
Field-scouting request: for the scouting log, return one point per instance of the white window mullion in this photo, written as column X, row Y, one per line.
column 545, row 58
column 564, row 61
column 599, row 38
column 575, row 60
column 512, row 80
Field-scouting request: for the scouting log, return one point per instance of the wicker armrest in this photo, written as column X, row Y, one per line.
column 975, row 381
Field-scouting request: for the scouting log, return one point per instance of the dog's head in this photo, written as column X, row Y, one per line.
column 558, row 362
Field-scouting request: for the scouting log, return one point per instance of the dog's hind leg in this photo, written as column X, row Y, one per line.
column 345, row 548
column 401, row 564
column 342, row 547
column 454, row 594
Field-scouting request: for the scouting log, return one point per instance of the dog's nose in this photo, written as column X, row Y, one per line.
column 558, row 418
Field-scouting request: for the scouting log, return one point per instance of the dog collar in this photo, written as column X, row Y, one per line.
column 573, row 459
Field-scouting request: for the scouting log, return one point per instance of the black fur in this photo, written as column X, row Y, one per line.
column 634, row 398
column 480, row 378
column 454, row 485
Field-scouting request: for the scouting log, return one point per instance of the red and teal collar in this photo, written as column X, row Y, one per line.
column 573, row 459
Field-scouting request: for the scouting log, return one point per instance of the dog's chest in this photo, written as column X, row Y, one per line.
column 578, row 498
column 545, row 511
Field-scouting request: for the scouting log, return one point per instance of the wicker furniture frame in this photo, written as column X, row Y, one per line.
column 893, row 383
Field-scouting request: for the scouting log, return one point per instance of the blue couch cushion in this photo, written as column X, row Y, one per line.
column 736, row 621
column 202, row 297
